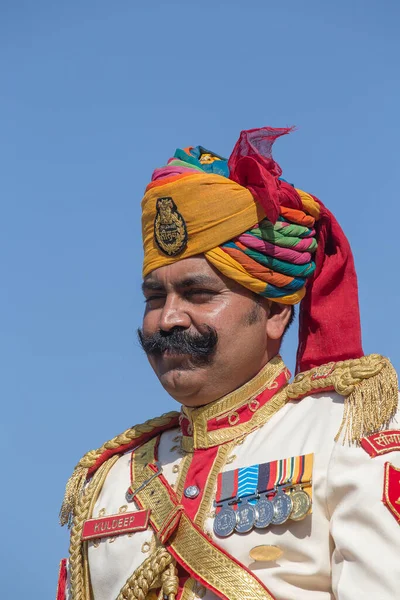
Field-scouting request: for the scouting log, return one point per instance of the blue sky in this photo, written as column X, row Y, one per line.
column 94, row 95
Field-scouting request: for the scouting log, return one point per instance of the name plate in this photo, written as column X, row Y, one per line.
column 381, row 442
column 115, row 525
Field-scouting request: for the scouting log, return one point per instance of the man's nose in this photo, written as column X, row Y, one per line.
column 174, row 314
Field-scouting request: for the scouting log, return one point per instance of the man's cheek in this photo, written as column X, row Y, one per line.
column 149, row 324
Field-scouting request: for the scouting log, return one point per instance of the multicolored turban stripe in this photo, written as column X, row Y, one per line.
column 272, row 260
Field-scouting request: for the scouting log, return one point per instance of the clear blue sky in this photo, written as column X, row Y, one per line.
column 93, row 96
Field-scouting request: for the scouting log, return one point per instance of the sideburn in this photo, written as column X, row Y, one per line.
column 255, row 313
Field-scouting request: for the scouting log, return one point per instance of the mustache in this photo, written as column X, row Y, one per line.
column 199, row 346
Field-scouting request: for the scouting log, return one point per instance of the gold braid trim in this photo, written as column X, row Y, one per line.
column 82, row 513
column 157, row 570
column 370, row 387
column 74, row 487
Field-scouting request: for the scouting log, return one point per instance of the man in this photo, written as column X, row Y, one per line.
column 258, row 488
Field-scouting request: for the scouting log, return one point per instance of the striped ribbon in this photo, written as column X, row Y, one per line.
column 247, row 481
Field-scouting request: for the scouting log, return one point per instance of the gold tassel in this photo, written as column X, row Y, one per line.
column 371, row 401
column 73, row 490
column 369, row 385
column 170, row 582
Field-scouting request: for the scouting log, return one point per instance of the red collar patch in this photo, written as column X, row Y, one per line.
column 391, row 490
column 381, row 442
column 115, row 524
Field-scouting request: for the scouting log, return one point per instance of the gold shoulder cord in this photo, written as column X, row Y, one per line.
column 79, row 584
column 369, row 385
column 77, row 480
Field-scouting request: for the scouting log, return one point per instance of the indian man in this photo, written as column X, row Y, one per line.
column 261, row 486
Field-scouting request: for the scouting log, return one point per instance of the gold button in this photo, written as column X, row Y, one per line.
column 265, row 553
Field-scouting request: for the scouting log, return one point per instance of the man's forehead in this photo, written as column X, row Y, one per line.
column 160, row 280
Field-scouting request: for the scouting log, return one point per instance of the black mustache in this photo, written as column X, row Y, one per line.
column 199, row 346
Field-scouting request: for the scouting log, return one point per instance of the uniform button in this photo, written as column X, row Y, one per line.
column 192, row 491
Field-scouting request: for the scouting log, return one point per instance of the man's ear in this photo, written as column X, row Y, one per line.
column 278, row 318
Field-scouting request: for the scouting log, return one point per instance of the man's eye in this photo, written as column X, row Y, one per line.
column 200, row 293
column 153, row 299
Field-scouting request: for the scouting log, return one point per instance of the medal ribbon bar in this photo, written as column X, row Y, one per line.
column 236, row 484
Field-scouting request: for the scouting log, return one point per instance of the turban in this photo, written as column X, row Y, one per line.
column 257, row 229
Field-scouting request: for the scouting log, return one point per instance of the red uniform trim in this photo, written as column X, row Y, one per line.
column 62, row 580
column 246, row 411
column 391, row 490
column 197, row 475
column 381, row 442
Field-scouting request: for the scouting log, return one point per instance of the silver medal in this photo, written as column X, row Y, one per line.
column 265, row 511
column 283, row 506
column 246, row 516
column 224, row 522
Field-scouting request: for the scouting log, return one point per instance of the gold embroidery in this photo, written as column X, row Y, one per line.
column 272, row 386
column 209, row 563
column 230, row 460
column 254, row 405
column 184, row 468
column 170, row 231
column 221, row 436
column 146, row 547
column 233, row 418
column 210, row 485
column 227, row 408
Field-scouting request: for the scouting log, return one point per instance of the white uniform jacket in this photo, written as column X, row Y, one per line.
column 346, row 548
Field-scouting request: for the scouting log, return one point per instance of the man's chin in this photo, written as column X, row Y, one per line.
column 183, row 381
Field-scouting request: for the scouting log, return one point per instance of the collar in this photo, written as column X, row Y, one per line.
column 238, row 413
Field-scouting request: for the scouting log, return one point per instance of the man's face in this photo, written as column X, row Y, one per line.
column 204, row 334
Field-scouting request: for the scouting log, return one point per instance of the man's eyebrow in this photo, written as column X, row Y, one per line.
column 192, row 280
column 151, row 285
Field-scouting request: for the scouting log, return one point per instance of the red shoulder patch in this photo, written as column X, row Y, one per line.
column 381, row 442
column 391, row 490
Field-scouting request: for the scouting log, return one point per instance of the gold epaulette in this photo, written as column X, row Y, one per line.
column 369, row 385
column 90, row 462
